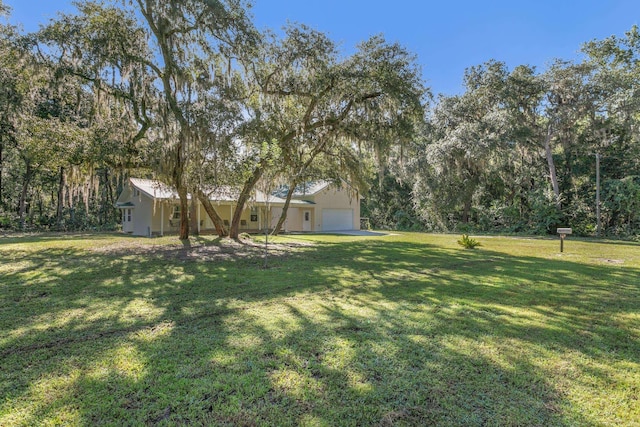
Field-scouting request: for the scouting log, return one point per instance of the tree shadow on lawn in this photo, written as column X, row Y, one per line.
column 363, row 333
column 37, row 237
column 568, row 296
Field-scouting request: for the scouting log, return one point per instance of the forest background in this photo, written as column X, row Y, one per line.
column 192, row 93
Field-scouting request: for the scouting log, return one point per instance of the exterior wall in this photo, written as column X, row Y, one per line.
column 294, row 217
column 331, row 198
column 156, row 216
column 223, row 209
column 275, row 216
column 142, row 215
column 161, row 212
column 205, row 221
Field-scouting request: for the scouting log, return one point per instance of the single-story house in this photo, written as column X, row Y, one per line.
column 150, row 207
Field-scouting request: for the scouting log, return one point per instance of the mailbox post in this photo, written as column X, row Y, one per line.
column 563, row 232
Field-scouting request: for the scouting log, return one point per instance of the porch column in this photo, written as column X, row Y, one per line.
column 162, row 218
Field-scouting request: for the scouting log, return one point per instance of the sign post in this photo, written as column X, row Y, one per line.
column 563, row 232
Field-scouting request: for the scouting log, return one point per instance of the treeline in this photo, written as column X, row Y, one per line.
column 193, row 94
column 524, row 151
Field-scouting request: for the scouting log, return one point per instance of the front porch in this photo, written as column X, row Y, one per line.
column 254, row 219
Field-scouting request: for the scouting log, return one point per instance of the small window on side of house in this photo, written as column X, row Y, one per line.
column 176, row 212
column 136, row 192
column 128, row 215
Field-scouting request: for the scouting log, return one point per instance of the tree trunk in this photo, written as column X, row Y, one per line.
column 61, row 184
column 22, row 203
column 86, row 195
column 184, row 214
column 107, row 199
column 193, row 223
column 1, row 169
column 110, row 201
column 285, row 209
column 69, row 190
column 598, row 219
column 215, row 218
column 466, row 211
column 294, row 184
column 234, row 232
column 40, row 205
column 552, row 167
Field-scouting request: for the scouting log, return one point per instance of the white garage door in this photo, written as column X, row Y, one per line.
column 337, row 219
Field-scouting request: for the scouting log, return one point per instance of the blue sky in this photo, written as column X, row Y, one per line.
column 447, row 36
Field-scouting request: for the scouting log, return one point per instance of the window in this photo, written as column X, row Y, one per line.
column 128, row 215
column 254, row 214
column 306, row 216
column 176, row 212
column 136, row 192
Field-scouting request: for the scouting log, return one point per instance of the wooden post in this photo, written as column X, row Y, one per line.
column 563, row 232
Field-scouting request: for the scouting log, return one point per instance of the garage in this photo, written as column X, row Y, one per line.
column 337, row 219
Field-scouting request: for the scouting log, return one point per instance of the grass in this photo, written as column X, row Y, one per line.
column 408, row 329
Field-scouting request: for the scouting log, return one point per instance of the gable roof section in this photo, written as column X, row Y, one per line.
column 154, row 189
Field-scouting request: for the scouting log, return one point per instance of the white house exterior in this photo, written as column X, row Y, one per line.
column 330, row 208
column 150, row 207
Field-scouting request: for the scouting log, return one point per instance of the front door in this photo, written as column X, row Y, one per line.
column 306, row 220
column 127, row 220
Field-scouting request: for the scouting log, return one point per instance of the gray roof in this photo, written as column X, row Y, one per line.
column 160, row 191
column 154, row 189
column 310, row 188
column 125, row 204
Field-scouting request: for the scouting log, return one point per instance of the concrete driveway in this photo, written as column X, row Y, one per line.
column 359, row 233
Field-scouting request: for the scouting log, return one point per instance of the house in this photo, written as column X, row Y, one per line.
column 150, row 207
column 331, row 208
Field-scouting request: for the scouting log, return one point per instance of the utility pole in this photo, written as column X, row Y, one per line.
column 599, row 224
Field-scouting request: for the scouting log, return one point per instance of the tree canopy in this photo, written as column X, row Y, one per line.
column 191, row 93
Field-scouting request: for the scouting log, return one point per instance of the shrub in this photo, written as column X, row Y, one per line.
column 468, row 243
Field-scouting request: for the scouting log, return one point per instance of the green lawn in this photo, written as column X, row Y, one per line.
column 407, row 329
